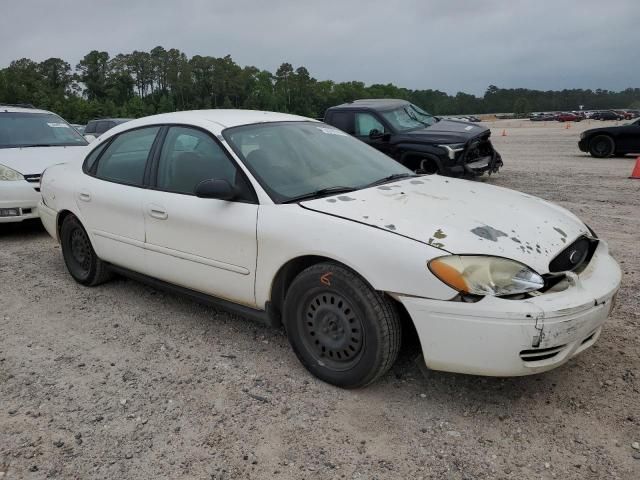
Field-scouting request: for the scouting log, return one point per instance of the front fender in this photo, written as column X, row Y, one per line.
column 387, row 261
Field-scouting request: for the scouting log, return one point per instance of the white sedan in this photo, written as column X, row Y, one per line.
column 288, row 220
column 30, row 141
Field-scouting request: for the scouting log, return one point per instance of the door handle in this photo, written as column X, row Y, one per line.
column 156, row 211
column 84, row 196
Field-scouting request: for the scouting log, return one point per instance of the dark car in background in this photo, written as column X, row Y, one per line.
column 606, row 141
column 606, row 115
column 418, row 140
column 97, row 127
column 542, row 117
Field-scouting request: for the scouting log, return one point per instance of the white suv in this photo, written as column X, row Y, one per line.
column 30, row 141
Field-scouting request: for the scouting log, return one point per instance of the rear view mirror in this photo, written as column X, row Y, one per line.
column 214, row 188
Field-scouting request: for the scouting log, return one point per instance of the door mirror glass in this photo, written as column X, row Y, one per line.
column 215, row 188
column 375, row 133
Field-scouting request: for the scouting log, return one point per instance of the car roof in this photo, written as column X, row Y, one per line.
column 373, row 104
column 214, row 120
column 117, row 120
column 17, row 109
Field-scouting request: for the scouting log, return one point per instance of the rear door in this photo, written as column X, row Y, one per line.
column 110, row 198
column 203, row 244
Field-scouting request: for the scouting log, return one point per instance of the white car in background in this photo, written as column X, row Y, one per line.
column 290, row 220
column 30, row 141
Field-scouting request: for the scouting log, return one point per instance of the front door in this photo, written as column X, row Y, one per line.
column 372, row 131
column 629, row 138
column 203, row 244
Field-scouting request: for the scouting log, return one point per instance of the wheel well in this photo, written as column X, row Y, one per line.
column 61, row 216
column 285, row 276
column 290, row 270
column 412, row 160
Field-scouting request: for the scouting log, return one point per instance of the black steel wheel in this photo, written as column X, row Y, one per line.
column 79, row 257
column 332, row 330
column 342, row 330
column 601, row 146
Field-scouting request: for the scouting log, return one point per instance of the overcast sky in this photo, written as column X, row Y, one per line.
column 442, row 44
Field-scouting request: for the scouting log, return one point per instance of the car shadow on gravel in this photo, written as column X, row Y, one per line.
column 25, row 230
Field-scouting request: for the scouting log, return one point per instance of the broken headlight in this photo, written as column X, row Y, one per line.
column 483, row 275
column 452, row 149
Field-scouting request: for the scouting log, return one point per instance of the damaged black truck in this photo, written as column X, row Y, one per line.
column 420, row 141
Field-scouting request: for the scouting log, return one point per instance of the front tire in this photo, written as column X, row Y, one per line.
column 343, row 331
column 81, row 260
column 602, row 146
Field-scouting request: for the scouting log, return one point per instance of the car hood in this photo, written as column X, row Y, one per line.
column 33, row 160
column 461, row 216
column 447, row 131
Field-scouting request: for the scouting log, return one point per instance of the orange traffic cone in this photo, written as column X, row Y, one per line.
column 504, row 132
column 636, row 170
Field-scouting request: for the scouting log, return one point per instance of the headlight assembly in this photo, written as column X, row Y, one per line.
column 483, row 275
column 452, row 149
column 9, row 174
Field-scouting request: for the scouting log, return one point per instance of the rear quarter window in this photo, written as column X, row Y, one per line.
column 343, row 121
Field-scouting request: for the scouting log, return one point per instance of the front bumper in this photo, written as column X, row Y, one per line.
column 18, row 201
column 502, row 337
column 583, row 145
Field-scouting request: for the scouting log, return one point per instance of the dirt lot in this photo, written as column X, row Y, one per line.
column 123, row 381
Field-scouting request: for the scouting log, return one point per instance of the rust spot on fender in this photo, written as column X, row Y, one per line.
column 439, row 234
column 433, row 243
column 488, row 233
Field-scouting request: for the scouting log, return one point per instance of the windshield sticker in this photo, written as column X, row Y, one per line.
column 58, row 125
column 470, row 127
column 332, row 131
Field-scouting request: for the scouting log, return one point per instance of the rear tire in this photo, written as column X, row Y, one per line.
column 344, row 332
column 81, row 260
column 602, row 146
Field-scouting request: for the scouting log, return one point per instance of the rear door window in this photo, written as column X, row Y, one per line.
column 125, row 158
column 343, row 121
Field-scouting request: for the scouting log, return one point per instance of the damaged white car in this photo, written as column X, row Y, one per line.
column 291, row 221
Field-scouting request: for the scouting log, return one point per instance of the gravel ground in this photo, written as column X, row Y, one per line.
column 124, row 381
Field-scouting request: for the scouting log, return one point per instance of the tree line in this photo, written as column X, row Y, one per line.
column 144, row 83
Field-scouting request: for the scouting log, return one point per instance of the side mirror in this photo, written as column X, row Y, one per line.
column 214, row 188
column 375, row 134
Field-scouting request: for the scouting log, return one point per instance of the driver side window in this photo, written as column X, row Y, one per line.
column 190, row 156
column 365, row 122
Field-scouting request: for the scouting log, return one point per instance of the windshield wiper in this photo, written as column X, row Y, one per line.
column 390, row 178
column 319, row 193
column 38, row 145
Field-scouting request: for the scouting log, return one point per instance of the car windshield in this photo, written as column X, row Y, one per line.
column 409, row 117
column 22, row 129
column 292, row 160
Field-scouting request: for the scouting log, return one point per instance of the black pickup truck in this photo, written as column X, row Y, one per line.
column 418, row 140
